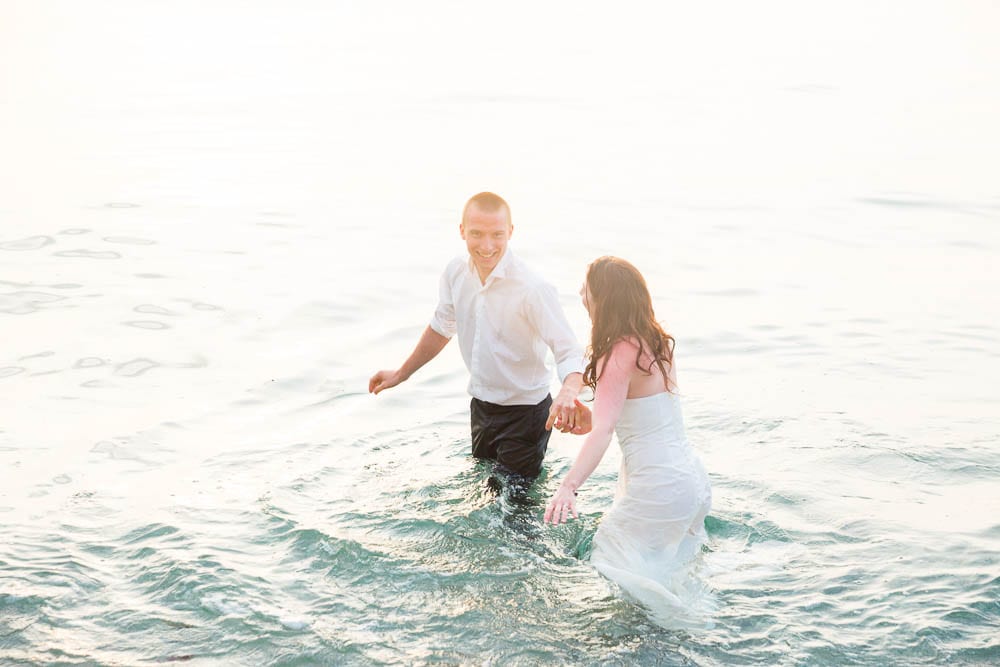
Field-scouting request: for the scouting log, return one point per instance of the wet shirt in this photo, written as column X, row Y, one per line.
column 505, row 328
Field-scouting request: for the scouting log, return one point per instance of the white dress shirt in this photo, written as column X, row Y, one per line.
column 504, row 328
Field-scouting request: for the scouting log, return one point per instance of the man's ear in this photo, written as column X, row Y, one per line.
column 461, row 230
column 511, row 232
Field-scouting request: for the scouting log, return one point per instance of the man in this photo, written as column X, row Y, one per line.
column 505, row 317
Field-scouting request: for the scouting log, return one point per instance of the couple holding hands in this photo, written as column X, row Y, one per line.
column 506, row 318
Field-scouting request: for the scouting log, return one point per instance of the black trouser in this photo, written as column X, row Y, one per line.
column 512, row 435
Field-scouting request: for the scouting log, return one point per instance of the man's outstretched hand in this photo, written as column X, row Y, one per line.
column 384, row 380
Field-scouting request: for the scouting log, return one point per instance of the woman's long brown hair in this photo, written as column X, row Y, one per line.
column 620, row 307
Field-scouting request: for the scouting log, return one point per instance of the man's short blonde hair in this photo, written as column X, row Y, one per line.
column 487, row 202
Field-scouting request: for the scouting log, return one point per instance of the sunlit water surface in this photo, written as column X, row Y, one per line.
column 217, row 221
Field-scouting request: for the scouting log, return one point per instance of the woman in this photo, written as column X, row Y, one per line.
column 656, row 524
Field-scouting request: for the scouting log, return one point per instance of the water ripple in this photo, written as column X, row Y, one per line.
column 26, row 302
column 89, row 254
column 129, row 240
column 152, row 325
column 29, row 243
column 136, row 367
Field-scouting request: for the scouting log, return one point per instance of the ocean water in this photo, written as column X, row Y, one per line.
column 218, row 219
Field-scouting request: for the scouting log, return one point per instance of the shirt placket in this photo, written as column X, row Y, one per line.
column 479, row 308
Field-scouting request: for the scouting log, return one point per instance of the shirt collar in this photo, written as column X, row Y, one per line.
column 499, row 271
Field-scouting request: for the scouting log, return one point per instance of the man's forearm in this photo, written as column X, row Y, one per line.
column 429, row 346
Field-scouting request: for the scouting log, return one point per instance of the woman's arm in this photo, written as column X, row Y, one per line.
column 609, row 399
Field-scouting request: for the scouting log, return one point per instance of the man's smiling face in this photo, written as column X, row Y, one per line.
column 486, row 235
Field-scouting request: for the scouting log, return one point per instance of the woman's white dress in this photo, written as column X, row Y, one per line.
column 656, row 526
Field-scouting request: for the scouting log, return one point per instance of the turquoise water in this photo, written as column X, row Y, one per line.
column 219, row 223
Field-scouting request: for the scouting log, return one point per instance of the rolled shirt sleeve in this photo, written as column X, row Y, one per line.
column 443, row 321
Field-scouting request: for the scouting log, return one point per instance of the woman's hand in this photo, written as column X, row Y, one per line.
column 583, row 419
column 561, row 506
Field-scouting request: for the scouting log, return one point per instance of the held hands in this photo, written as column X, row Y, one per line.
column 384, row 380
column 577, row 420
column 561, row 506
column 583, row 418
